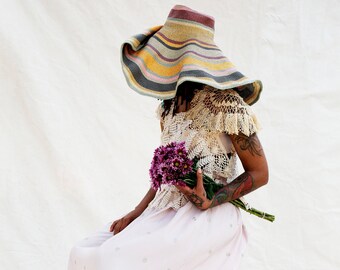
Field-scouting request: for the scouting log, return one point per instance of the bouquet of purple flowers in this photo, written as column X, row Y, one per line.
column 171, row 165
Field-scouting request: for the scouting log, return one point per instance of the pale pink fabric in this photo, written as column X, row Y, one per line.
column 167, row 239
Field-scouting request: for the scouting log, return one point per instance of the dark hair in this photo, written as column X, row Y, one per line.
column 187, row 91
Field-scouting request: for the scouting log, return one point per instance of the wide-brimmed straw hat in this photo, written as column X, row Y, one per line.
column 157, row 61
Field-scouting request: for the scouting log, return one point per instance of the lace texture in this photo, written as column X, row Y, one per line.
column 213, row 115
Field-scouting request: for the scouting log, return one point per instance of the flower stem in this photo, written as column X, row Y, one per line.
column 211, row 187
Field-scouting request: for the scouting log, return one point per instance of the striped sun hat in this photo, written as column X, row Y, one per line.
column 157, row 61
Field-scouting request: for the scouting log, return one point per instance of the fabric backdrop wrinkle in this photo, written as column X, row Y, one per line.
column 76, row 143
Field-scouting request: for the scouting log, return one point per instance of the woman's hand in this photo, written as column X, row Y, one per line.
column 120, row 224
column 196, row 195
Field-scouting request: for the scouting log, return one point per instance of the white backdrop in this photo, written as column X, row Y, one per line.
column 76, row 142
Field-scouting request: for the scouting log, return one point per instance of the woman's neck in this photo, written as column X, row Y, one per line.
column 181, row 105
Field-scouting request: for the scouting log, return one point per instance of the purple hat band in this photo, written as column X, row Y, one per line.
column 185, row 13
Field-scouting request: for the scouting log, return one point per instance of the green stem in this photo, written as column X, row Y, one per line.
column 211, row 187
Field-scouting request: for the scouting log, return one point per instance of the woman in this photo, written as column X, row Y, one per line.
column 206, row 105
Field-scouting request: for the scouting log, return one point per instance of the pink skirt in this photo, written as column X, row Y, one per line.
column 167, row 239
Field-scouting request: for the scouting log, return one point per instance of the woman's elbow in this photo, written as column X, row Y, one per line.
column 259, row 172
column 260, row 176
column 263, row 176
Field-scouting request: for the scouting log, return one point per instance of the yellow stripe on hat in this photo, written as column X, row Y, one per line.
column 165, row 69
column 145, row 91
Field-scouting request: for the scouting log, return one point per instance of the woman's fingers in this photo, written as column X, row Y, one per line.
column 113, row 225
column 199, row 188
column 196, row 195
column 199, row 184
column 117, row 228
column 121, row 225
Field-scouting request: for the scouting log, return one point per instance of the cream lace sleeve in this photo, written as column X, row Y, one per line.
column 222, row 111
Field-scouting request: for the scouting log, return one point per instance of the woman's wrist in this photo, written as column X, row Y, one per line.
column 139, row 209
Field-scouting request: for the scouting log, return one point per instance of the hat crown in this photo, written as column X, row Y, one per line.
column 184, row 13
column 157, row 61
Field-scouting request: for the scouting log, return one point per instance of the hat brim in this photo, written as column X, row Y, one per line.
column 157, row 61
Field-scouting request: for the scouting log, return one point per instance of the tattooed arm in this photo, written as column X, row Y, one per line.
column 254, row 162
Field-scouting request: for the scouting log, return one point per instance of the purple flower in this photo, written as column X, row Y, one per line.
column 176, row 163
column 169, row 164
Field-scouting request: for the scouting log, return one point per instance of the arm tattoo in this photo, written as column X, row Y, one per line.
column 242, row 185
column 251, row 143
column 196, row 200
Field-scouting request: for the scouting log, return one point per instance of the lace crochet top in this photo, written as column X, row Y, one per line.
column 213, row 115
